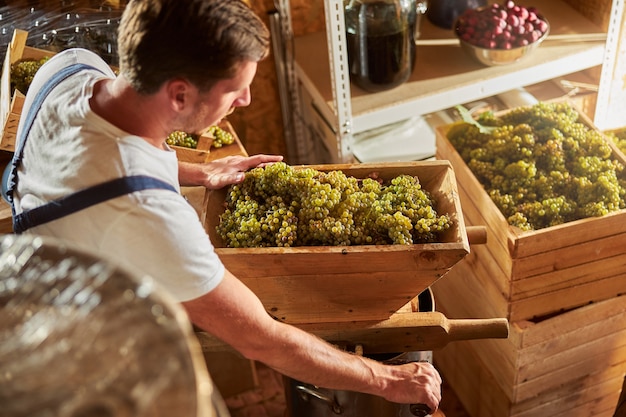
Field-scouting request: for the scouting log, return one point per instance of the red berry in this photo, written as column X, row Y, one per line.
column 542, row 25
column 532, row 36
column 523, row 13
column 498, row 22
column 512, row 20
column 505, row 25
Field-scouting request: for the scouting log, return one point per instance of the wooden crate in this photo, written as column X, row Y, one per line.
column 349, row 283
column 535, row 273
column 12, row 102
column 566, row 365
column 206, row 153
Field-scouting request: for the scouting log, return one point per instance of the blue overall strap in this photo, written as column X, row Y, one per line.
column 85, row 198
column 76, row 201
column 20, row 141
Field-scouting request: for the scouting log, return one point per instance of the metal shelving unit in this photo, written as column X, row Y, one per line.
column 335, row 110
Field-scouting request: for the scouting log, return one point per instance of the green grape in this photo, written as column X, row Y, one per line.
column 22, row 73
column 306, row 207
column 220, row 137
column 184, row 139
column 541, row 166
column 619, row 137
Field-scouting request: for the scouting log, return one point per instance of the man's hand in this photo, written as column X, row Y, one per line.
column 221, row 172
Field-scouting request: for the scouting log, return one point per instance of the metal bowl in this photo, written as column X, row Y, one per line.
column 493, row 57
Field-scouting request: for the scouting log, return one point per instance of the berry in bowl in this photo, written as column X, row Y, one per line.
column 501, row 33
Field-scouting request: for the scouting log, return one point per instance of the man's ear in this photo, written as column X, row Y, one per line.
column 179, row 91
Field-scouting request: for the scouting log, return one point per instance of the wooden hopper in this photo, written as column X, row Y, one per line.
column 349, row 283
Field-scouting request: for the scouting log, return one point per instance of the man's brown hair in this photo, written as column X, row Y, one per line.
column 202, row 41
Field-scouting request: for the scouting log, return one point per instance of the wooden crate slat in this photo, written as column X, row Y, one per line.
column 567, row 256
column 576, row 232
column 553, row 357
column 571, row 321
column 594, row 393
column 567, row 298
column 342, row 260
column 591, row 271
column 532, row 388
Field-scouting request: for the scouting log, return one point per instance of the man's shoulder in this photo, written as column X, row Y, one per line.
column 73, row 56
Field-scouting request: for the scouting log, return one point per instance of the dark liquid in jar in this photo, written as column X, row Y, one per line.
column 381, row 62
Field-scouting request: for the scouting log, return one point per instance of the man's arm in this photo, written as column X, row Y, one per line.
column 234, row 314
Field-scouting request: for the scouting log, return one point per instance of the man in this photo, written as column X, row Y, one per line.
column 184, row 65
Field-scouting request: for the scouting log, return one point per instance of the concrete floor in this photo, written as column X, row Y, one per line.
column 268, row 399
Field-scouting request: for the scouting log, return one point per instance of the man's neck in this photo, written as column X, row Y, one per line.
column 118, row 103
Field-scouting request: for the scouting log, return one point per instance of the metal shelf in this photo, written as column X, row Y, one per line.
column 443, row 77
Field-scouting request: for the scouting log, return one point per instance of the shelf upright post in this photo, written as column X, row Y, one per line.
column 340, row 77
column 283, row 46
column 611, row 105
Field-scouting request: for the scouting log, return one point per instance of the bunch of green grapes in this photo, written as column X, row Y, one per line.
column 220, row 137
column 541, row 166
column 619, row 137
column 281, row 206
column 180, row 138
column 22, row 73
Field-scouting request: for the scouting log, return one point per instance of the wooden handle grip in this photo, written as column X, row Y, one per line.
column 476, row 235
column 468, row 329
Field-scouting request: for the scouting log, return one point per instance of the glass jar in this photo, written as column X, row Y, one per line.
column 381, row 38
column 444, row 13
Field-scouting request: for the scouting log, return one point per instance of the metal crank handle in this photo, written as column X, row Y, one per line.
column 419, row 410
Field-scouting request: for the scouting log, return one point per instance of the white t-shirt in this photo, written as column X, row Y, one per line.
column 70, row 148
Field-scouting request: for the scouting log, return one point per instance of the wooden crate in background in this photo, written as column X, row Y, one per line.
column 206, row 152
column 12, row 102
column 571, row 364
column 349, row 283
column 562, row 289
column 535, row 273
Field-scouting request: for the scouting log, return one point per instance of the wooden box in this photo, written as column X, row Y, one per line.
column 349, row 283
column 535, row 273
column 570, row 364
column 199, row 154
column 11, row 103
column 204, row 152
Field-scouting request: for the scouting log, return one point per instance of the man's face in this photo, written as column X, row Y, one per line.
column 222, row 99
